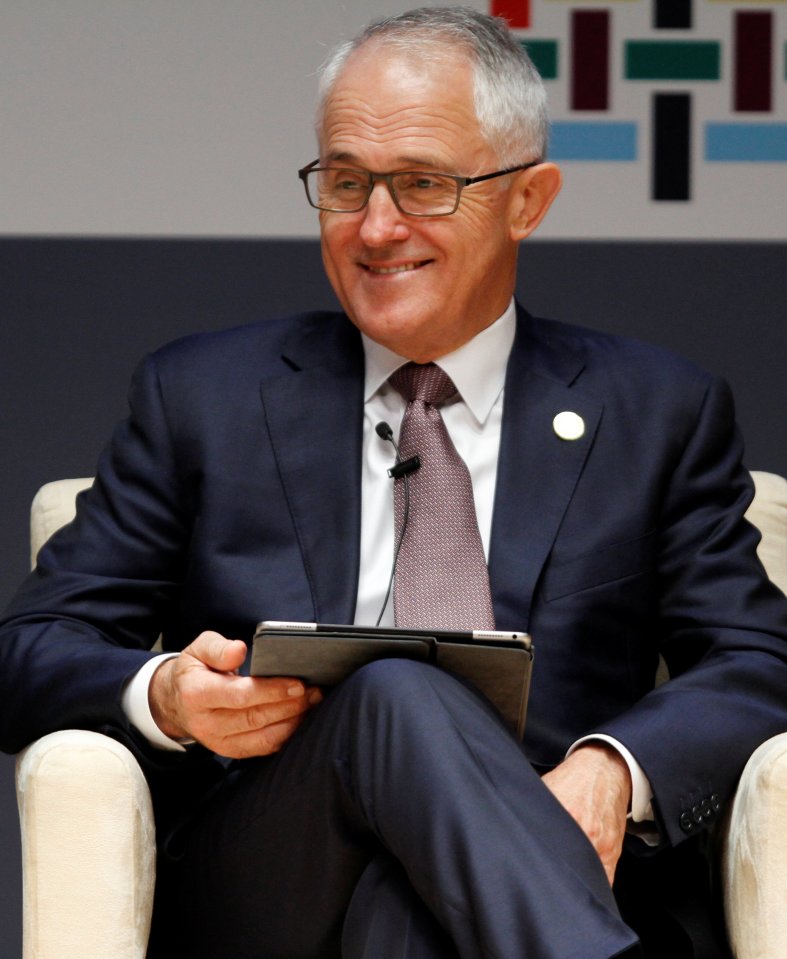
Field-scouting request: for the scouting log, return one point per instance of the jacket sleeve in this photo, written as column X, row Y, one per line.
column 84, row 621
column 723, row 635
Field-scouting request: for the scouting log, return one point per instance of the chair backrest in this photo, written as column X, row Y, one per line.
column 54, row 506
column 768, row 512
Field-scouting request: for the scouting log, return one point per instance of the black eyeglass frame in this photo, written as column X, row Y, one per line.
column 387, row 178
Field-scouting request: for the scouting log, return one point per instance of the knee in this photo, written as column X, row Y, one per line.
column 387, row 704
column 401, row 695
column 404, row 688
column 391, row 680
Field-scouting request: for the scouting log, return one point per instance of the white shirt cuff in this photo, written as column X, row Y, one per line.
column 641, row 791
column 136, row 705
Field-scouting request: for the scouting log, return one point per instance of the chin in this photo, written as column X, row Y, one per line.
column 395, row 330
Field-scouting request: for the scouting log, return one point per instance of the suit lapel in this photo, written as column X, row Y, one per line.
column 537, row 470
column 314, row 414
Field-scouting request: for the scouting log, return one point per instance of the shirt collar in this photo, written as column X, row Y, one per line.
column 478, row 368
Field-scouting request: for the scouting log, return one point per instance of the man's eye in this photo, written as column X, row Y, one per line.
column 421, row 181
column 348, row 184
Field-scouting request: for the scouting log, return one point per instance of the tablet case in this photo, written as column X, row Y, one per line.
column 324, row 656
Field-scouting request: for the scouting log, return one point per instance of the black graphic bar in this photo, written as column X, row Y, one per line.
column 671, row 146
column 672, row 14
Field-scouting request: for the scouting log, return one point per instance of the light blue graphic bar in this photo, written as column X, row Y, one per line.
column 592, row 140
column 746, row 142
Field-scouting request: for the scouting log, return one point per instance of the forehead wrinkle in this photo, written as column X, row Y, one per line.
column 419, row 136
column 417, row 119
column 389, row 111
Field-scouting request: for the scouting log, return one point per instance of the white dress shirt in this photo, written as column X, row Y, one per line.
column 473, row 420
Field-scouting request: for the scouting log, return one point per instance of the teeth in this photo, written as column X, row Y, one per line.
column 393, row 269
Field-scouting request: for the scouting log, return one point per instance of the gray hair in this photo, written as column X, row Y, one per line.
column 509, row 96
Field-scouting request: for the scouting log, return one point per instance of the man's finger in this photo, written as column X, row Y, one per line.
column 259, row 742
column 220, row 654
column 262, row 714
column 256, row 731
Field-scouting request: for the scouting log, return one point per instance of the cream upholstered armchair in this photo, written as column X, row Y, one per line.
column 88, row 837
column 88, row 879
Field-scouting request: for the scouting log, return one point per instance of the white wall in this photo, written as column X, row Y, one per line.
column 190, row 117
column 163, row 116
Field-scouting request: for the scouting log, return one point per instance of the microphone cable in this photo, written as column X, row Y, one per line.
column 400, row 469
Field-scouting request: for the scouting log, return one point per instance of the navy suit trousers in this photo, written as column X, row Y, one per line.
column 401, row 820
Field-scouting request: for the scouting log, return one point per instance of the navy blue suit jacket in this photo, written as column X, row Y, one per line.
column 232, row 494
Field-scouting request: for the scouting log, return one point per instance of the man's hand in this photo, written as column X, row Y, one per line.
column 594, row 786
column 199, row 696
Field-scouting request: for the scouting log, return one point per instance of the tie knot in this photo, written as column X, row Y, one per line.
column 423, row 381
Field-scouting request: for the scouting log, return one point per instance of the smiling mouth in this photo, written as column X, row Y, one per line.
column 401, row 268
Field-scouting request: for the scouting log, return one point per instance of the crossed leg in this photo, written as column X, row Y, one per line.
column 405, row 814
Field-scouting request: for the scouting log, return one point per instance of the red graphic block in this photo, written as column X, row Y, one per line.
column 590, row 60
column 753, row 59
column 517, row 12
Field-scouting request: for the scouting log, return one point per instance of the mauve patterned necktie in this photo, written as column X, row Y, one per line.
column 442, row 580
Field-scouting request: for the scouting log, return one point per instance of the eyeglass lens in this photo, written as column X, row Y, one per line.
column 415, row 192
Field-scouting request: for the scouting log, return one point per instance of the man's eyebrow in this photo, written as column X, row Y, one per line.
column 404, row 162
column 349, row 158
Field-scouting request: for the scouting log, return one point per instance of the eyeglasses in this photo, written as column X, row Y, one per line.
column 415, row 192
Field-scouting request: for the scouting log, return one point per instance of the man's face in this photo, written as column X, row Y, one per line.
column 420, row 286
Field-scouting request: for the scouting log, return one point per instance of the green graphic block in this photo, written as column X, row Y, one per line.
column 672, row 60
column 543, row 53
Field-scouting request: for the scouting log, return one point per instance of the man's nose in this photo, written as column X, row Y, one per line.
column 382, row 220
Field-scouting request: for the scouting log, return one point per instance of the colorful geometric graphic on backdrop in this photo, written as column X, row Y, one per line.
column 681, row 85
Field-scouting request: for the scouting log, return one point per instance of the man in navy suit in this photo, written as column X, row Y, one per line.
column 396, row 816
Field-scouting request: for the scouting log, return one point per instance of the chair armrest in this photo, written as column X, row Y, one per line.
column 754, row 861
column 88, row 848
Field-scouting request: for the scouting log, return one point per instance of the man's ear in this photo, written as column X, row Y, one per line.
column 533, row 193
